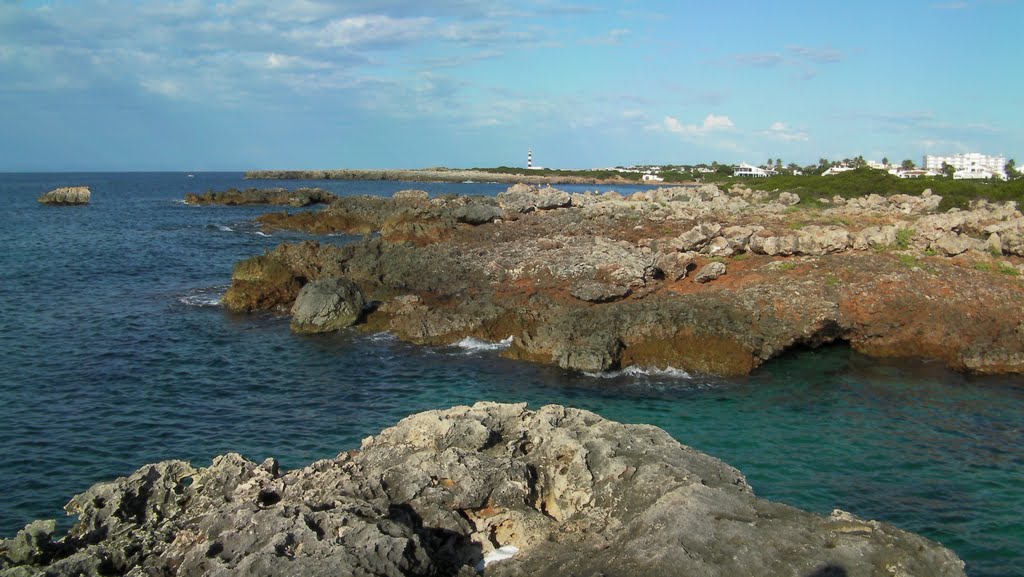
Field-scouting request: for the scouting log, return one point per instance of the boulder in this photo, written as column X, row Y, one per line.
column 548, row 492
column 710, row 272
column 526, row 198
column 952, row 244
column 327, row 305
column 476, row 213
column 875, row 237
column 68, row 195
column 675, row 265
column 598, row 292
column 788, row 198
column 697, row 237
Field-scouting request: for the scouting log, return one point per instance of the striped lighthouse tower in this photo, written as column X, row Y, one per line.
column 529, row 158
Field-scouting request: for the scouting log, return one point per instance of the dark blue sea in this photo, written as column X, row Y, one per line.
column 115, row 352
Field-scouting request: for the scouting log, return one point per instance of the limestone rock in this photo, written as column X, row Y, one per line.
column 675, row 265
column 710, row 272
column 952, row 244
column 327, row 305
column 476, row 213
column 67, row 195
column 697, row 237
column 411, row 196
column 598, row 292
column 525, row 198
column 573, row 493
column 788, row 198
column 875, row 237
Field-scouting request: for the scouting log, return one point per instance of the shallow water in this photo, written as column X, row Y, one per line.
column 114, row 352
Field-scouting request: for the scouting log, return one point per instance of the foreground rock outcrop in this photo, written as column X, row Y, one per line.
column 68, row 195
column 563, row 491
column 281, row 196
column 698, row 279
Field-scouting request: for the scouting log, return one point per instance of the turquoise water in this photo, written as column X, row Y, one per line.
column 114, row 353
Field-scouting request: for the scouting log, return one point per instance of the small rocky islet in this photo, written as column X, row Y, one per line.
column 554, row 491
column 67, row 195
column 697, row 278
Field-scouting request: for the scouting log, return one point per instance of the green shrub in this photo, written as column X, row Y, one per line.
column 903, row 238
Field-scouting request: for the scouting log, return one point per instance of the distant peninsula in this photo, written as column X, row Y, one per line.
column 501, row 175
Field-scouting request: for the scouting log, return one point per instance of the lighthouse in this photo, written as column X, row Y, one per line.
column 529, row 158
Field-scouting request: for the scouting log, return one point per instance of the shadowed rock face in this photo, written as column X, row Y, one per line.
column 697, row 279
column 575, row 493
column 67, row 195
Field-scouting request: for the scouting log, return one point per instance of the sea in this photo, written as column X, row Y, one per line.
column 115, row 352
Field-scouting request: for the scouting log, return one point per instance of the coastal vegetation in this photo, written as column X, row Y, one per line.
column 864, row 181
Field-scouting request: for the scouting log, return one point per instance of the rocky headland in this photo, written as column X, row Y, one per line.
column 555, row 491
column 696, row 278
column 68, row 195
column 432, row 175
column 273, row 196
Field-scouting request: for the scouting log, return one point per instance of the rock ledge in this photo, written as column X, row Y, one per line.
column 563, row 491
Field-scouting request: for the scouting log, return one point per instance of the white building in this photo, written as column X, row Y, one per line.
column 993, row 164
column 652, row 178
column 836, row 170
column 972, row 173
column 748, row 170
column 913, row 173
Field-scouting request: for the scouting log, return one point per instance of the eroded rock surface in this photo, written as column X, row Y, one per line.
column 575, row 494
column 282, row 196
column 327, row 305
column 68, row 195
column 606, row 281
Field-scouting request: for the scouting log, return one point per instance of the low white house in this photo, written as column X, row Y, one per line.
column 651, row 178
column 974, row 173
column 754, row 171
column 836, row 170
column 913, row 173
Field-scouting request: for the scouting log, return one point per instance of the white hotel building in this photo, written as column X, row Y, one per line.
column 970, row 163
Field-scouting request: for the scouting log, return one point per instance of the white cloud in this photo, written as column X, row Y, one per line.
column 163, row 87
column 275, row 60
column 781, row 131
column 712, row 122
column 373, row 29
column 611, row 38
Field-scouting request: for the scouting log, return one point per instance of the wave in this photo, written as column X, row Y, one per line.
column 471, row 344
column 203, row 297
column 261, row 233
column 224, row 228
column 667, row 372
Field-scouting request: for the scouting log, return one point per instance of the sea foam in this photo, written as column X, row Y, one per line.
column 667, row 372
column 472, row 344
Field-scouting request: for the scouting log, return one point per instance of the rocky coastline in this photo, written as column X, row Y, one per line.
column 430, row 175
column 494, row 488
column 695, row 278
column 270, row 196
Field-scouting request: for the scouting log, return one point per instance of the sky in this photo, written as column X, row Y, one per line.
column 315, row 84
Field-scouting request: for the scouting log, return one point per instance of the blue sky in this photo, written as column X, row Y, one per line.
column 241, row 84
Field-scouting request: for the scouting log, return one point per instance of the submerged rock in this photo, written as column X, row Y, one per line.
column 67, row 195
column 556, row 491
